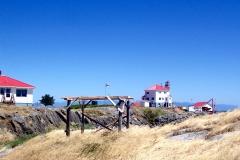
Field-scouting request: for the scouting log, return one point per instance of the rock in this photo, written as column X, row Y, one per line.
column 74, row 117
column 61, row 116
column 39, row 121
column 105, row 119
column 20, row 126
column 2, row 116
column 53, row 118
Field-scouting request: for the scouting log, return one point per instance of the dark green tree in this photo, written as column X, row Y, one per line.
column 47, row 100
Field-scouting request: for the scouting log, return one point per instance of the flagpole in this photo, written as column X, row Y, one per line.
column 105, row 94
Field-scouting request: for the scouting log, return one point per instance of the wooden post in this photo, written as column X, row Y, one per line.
column 128, row 114
column 82, row 127
column 68, row 119
column 119, row 121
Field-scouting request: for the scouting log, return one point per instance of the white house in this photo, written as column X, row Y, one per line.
column 21, row 92
column 144, row 103
column 202, row 106
column 158, row 96
column 191, row 108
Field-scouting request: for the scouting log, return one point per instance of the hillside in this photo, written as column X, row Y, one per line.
column 204, row 137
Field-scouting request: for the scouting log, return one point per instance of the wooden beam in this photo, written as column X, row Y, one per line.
column 128, row 114
column 97, row 122
column 87, row 103
column 68, row 119
column 82, row 127
column 111, row 123
column 84, row 98
column 119, row 121
column 69, row 105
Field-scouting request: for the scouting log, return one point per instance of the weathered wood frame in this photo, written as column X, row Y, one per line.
column 71, row 100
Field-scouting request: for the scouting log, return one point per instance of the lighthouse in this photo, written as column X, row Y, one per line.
column 167, row 85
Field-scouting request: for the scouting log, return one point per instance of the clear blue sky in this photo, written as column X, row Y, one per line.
column 74, row 47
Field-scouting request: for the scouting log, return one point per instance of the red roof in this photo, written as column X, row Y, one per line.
column 136, row 104
column 157, row 87
column 6, row 81
column 199, row 104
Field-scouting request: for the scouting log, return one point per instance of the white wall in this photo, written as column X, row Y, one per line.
column 191, row 109
column 26, row 100
column 144, row 104
column 207, row 105
column 159, row 98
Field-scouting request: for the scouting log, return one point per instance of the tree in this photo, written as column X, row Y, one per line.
column 47, row 100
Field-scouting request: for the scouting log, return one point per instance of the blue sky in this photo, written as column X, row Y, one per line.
column 73, row 47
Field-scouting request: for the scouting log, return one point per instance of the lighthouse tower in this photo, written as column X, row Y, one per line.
column 167, row 85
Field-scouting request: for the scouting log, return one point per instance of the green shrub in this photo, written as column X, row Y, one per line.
column 20, row 140
column 86, row 126
column 77, row 106
column 152, row 114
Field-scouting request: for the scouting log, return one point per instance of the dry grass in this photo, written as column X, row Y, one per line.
column 139, row 142
column 24, row 111
column 6, row 136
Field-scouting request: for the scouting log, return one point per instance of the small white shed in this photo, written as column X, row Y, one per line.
column 144, row 103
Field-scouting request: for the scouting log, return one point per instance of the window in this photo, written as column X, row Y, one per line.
column 142, row 98
column 21, row 93
column 166, row 98
column 152, row 98
column 8, row 91
column 147, row 92
column 2, row 91
column 160, row 98
column 147, row 98
column 165, row 92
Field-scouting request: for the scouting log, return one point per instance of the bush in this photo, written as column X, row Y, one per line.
column 152, row 114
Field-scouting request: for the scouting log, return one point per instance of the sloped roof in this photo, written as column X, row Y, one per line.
column 156, row 87
column 137, row 104
column 199, row 104
column 6, row 81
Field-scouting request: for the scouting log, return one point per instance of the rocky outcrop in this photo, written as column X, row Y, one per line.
column 42, row 118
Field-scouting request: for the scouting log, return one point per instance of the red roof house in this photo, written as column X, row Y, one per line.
column 21, row 92
column 137, row 104
column 202, row 106
column 156, row 87
column 158, row 95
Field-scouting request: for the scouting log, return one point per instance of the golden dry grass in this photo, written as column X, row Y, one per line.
column 24, row 111
column 139, row 142
column 6, row 136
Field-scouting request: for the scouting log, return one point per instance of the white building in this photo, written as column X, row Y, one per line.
column 21, row 92
column 201, row 106
column 144, row 103
column 158, row 96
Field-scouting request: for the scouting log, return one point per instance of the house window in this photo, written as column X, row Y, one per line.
column 166, row 98
column 152, row 98
column 160, row 98
column 165, row 92
column 147, row 92
column 8, row 91
column 2, row 91
column 147, row 98
column 21, row 93
column 142, row 98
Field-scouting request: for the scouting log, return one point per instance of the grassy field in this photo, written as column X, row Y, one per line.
column 140, row 142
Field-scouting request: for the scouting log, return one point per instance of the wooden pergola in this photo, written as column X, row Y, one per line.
column 85, row 100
